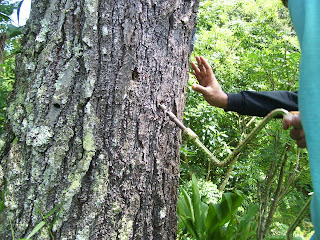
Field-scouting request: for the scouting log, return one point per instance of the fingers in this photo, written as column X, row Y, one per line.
column 198, row 88
column 194, row 66
column 287, row 119
column 291, row 120
column 296, row 121
column 204, row 63
column 202, row 67
column 302, row 143
column 297, row 132
column 299, row 136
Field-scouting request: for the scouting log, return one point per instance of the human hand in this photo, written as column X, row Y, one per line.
column 208, row 84
column 297, row 132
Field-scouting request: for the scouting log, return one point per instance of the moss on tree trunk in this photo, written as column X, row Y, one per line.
column 83, row 127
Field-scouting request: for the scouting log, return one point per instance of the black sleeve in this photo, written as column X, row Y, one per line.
column 261, row 103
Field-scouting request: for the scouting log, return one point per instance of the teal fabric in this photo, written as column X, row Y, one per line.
column 305, row 15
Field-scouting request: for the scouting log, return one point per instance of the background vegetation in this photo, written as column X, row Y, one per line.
column 251, row 45
column 9, row 47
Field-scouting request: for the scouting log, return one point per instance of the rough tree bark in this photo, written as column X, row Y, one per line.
column 83, row 127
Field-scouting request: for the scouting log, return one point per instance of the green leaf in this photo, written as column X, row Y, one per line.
column 52, row 211
column 185, row 206
column 212, row 221
column 6, row 10
column 55, row 219
column 189, row 225
column 187, row 151
column 252, row 211
column 228, row 198
column 221, row 213
column 4, row 17
column 13, row 31
column 186, row 213
column 200, row 209
column 36, row 229
column 229, row 231
column 15, row 140
column 3, row 195
column 12, row 231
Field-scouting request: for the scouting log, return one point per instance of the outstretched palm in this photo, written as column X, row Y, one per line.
column 208, row 84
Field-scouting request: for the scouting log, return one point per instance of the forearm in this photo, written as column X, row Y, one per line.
column 261, row 103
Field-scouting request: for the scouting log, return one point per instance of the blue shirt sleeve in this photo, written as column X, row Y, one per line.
column 305, row 15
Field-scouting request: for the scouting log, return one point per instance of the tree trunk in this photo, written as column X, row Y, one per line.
column 83, row 127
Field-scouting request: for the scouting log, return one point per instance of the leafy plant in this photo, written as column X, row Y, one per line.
column 7, row 8
column 214, row 221
column 3, row 195
column 9, row 47
column 40, row 225
column 250, row 45
column 7, row 79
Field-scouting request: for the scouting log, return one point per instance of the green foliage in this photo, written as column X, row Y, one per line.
column 7, row 67
column 36, row 229
column 7, row 8
column 3, row 192
column 208, row 190
column 251, row 45
column 13, row 31
column 203, row 221
column 7, row 77
column 41, row 224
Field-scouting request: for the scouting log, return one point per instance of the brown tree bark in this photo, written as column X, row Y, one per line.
column 83, row 127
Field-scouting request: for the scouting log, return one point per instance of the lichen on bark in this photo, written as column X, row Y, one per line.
column 89, row 135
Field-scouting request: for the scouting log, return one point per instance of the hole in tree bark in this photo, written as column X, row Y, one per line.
column 134, row 74
column 56, row 105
